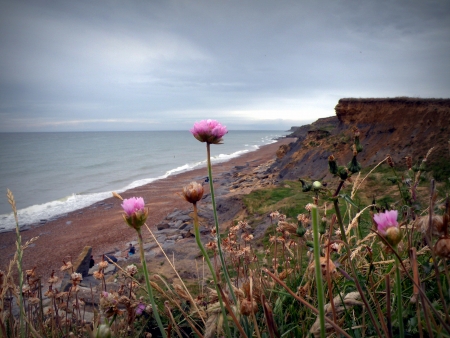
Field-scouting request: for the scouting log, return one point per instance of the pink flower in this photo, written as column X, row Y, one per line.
column 140, row 309
column 386, row 220
column 209, row 131
column 132, row 205
column 388, row 226
column 135, row 212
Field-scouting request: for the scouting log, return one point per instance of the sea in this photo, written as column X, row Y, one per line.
column 51, row 174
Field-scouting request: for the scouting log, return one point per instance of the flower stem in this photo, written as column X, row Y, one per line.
column 149, row 287
column 216, row 222
column 320, row 295
column 398, row 293
column 213, row 272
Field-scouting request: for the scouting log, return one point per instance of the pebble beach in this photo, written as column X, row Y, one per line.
column 101, row 225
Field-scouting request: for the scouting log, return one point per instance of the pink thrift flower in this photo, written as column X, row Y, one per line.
column 135, row 212
column 133, row 205
column 140, row 309
column 388, row 226
column 386, row 220
column 209, row 131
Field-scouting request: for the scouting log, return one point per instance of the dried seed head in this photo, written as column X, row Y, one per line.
column 248, row 307
column 409, row 162
column 66, row 266
column 390, row 162
column 442, row 247
column 103, row 265
column 53, row 279
column 193, row 192
column 274, row 215
column 116, row 195
column 131, row 269
column 76, row 277
column 98, row 275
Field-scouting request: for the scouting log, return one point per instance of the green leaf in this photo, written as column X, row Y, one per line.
column 349, row 200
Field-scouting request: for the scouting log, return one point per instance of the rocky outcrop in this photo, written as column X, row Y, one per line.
column 397, row 126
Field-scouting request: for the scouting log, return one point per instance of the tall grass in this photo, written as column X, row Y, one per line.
column 323, row 268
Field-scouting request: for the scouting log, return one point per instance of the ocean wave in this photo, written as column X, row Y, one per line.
column 42, row 213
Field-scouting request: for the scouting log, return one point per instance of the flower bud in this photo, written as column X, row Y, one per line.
column 193, row 192
column 358, row 146
column 305, row 185
column 393, row 236
column 332, row 165
column 343, row 172
column 135, row 212
column 316, row 185
column 354, row 166
column 300, row 229
column 323, row 225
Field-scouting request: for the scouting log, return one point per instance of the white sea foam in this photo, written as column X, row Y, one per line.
column 47, row 211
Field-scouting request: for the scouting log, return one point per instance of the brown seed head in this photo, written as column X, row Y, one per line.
column 103, row 265
column 442, row 247
column 409, row 162
column 248, row 307
column 66, row 266
column 390, row 161
column 193, row 192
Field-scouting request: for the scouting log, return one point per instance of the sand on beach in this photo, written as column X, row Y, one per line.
column 105, row 230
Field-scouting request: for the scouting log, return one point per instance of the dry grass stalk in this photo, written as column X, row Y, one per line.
column 354, row 221
column 354, row 190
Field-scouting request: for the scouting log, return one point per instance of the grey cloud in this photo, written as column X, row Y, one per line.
column 176, row 61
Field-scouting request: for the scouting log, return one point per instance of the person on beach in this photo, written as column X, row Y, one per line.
column 131, row 250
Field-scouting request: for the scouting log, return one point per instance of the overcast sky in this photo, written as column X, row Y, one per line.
column 160, row 65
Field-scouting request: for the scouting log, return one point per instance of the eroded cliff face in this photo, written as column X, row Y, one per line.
column 397, row 126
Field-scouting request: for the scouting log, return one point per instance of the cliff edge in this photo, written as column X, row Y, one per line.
column 397, row 126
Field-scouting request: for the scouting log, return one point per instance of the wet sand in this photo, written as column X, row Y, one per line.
column 102, row 227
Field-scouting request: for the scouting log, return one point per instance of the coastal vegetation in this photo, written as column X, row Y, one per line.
column 364, row 254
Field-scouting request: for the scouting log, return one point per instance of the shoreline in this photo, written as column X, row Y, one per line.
column 42, row 219
column 101, row 225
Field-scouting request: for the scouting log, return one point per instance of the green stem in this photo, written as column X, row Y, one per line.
column 352, row 266
column 149, row 287
column 216, row 222
column 398, row 291
column 213, row 272
column 320, row 296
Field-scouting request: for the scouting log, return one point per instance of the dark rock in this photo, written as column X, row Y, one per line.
column 81, row 265
column 184, row 218
column 182, row 226
column 174, row 214
column 162, row 226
